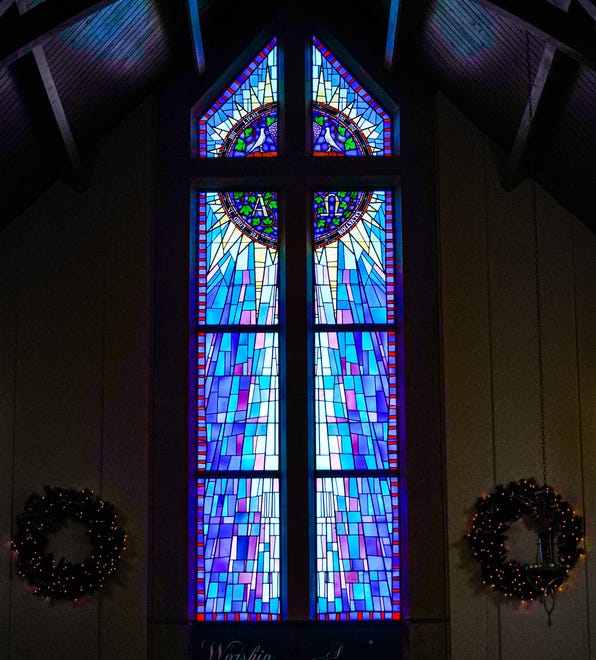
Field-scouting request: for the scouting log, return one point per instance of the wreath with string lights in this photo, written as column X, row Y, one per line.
column 59, row 578
column 559, row 533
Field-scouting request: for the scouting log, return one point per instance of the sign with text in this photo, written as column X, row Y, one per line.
column 296, row 640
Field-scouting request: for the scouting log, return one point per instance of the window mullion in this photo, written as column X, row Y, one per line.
column 296, row 320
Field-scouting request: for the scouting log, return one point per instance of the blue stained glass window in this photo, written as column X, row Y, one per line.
column 243, row 121
column 346, row 119
column 238, row 304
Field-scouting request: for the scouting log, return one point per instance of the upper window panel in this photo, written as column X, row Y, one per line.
column 243, row 121
column 346, row 120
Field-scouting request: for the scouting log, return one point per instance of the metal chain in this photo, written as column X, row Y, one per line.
column 537, row 276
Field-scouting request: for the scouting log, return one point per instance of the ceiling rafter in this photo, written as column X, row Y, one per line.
column 196, row 36
column 571, row 35
column 4, row 5
column 522, row 145
column 392, row 31
column 20, row 34
column 77, row 169
column 589, row 7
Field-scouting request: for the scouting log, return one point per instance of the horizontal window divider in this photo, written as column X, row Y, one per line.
column 356, row 327
column 238, row 474
column 238, row 328
column 271, row 173
column 373, row 472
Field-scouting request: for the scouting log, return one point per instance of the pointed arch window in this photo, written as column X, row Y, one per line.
column 296, row 310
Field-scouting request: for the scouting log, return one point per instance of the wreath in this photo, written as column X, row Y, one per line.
column 44, row 514
column 559, row 529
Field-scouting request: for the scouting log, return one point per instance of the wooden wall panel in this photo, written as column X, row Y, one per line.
column 507, row 383
column 584, row 245
column 8, row 320
column 466, row 365
column 82, row 399
column 58, row 396
column 126, row 166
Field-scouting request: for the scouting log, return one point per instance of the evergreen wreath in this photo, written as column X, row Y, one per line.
column 550, row 514
column 62, row 579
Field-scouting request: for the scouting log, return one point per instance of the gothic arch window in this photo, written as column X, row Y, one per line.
column 297, row 360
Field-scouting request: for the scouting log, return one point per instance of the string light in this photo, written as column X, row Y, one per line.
column 63, row 579
column 493, row 517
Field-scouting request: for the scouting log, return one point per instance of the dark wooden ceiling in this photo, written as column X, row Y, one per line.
column 523, row 71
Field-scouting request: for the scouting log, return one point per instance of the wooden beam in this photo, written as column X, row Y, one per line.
column 36, row 26
column 196, row 36
column 589, row 7
column 78, row 171
column 72, row 153
column 4, row 5
column 518, row 157
column 392, row 27
column 563, row 5
column 568, row 33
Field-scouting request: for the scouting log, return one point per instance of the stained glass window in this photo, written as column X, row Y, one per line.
column 243, row 120
column 241, row 296
column 346, row 119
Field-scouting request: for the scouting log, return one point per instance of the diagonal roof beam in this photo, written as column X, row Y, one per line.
column 4, row 5
column 195, row 32
column 570, row 34
column 392, row 26
column 513, row 172
column 77, row 169
column 589, row 7
column 20, row 35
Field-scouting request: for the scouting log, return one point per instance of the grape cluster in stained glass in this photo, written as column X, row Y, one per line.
column 255, row 214
column 335, row 134
column 336, row 213
column 346, row 119
column 357, row 548
column 243, row 121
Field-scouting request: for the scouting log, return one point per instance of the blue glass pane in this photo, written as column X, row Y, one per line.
column 356, row 400
column 243, row 121
column 237, row 401
column 355, row 260
column 237, row 258
column 346, row 120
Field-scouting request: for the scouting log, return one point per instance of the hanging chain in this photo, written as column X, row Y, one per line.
column 536, row 274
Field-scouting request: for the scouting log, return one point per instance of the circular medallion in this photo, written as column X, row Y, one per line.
column 336, row 212
column 253, row 135
column 254, row 213
column 335, row 134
